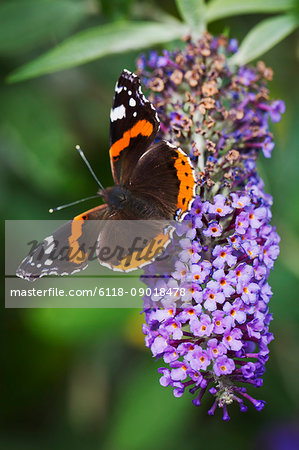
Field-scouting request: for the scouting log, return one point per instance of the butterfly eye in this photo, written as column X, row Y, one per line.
column 116, row 196
column 122, row 197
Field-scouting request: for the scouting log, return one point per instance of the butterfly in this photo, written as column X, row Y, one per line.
column 154, row 183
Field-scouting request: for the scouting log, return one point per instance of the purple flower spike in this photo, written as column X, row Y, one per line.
column 214, row 335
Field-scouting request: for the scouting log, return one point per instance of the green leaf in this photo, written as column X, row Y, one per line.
column 146, row 11
column 217, row 9
column 263, row 37
column 95, row 43
column 193, row 14
column 28, row 24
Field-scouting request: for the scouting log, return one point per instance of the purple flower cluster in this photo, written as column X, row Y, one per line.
column 211, row 327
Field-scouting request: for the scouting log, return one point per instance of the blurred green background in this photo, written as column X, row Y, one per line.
column 82, row 379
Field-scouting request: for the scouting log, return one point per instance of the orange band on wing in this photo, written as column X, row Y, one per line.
column 148, row 254
column 143, row 127
column 185, row 174
column 77, row 256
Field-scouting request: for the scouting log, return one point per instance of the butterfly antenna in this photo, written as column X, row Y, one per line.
column 88, row 165
column 71, row 204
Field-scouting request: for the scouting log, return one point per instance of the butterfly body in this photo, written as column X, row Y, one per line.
column 154, row 182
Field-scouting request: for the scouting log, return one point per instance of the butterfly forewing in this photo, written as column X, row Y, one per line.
column 134, row 124
column 68, row 250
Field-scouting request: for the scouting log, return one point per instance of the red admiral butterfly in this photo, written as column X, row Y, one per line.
column 152, row 181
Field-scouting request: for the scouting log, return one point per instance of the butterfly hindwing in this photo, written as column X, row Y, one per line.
column 134, row 124
column 126, row 245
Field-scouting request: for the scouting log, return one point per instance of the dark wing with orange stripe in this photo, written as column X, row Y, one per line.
column 134, row 124
column 164, row 176
column 68, row 250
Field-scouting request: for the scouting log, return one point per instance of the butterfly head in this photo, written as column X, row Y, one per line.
column 116, row 196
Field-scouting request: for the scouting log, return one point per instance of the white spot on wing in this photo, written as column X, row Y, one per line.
column 132, row 102
column 50, row 247
column 118, row 89
column 118, row 113
column 49, row 240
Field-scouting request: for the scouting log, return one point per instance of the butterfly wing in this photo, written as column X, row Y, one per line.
column 134, row 124
column 165, row 177
column 126, row 245
column 68, row 249
column 165, row 180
